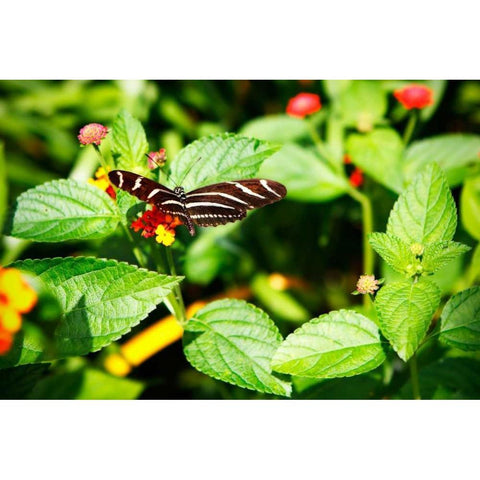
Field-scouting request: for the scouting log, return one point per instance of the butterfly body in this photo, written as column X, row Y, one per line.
column 212, row 205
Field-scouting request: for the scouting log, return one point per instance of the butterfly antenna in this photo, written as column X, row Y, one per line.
column 189, row 168
column 159, row 165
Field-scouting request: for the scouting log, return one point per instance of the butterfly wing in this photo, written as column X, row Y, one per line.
column 226, row 202
column 148, row 191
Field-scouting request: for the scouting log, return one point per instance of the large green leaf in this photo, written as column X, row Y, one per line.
column 306, row 177
column 452, row 152
column 101, row 300
column 470, row 206
column 439, row 254
column 3, row 185
column 339, row 344
column 129, row 142
column 219, row 158
column 233, row 341
column 363, row 104
column 63, row 210
column 378, row 154
column 425, row 212
column 405, row 311
column 86, row 384
column 279, row 128
column 395, row 252
column 460, row 321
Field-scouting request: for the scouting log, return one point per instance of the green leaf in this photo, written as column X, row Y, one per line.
column 129, row 142
column 363, row 104
column 101, row 300
column 304, row 174
column 378, row 154
column 339, row 344
column 63, row 210
column 425, row 212
column 233, row 341
column 395, row 252
column 460, row 320
column 281, row 303
column 452, row 152
column 3, row 185
column 470, row 206
column 279, row 128
column 361, row 387
column 219, row 158
column 210, row 253
column 86, row 384
column 17, row 382
column 448, row 379
column 405, row 311
column 436, row 255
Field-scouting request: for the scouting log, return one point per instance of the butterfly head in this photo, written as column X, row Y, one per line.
column 180, row 192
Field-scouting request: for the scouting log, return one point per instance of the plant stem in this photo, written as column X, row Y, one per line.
column 414, row 377
column 178, row 305
column 103, row 162
column 367, row 226
column 412, row 121
column 322, row 150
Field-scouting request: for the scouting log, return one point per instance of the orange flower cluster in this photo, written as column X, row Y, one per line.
column 155, row 222
column 102, row 182
column 16, row 297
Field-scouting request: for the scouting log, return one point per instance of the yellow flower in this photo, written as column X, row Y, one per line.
column 165, row 236
column 102, row 182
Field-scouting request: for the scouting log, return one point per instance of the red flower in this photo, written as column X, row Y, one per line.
column 303, row 104
column 346, row 159
column 92, row 133
column 356, row 178
column 155, row 222
column 157, row 159
column 414, row 96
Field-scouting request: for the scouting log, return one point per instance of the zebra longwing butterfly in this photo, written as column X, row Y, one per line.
column 213, row 205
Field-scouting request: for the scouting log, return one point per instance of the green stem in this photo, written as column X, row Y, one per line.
column 322, row 150
column 409, row 129
column 142, row 262
column 367, row 225
column 414, row 377
column 178, row 305
column 103, row 162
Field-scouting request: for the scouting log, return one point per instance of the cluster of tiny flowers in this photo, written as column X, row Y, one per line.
column 367, row 284
column 155, row 222
column 92, row 133
column 414, row 96
column 102, row 182
column 16, row 297
column 303, row 104
column 157, row 159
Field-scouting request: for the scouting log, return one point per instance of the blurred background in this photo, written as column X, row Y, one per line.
column 296, row 259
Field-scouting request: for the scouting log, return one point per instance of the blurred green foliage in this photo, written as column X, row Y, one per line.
column 314, row 235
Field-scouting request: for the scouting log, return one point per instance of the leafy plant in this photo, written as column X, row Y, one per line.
column 300, row 334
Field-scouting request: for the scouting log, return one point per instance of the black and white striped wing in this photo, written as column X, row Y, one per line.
column 148, row 191
column 226, row 202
